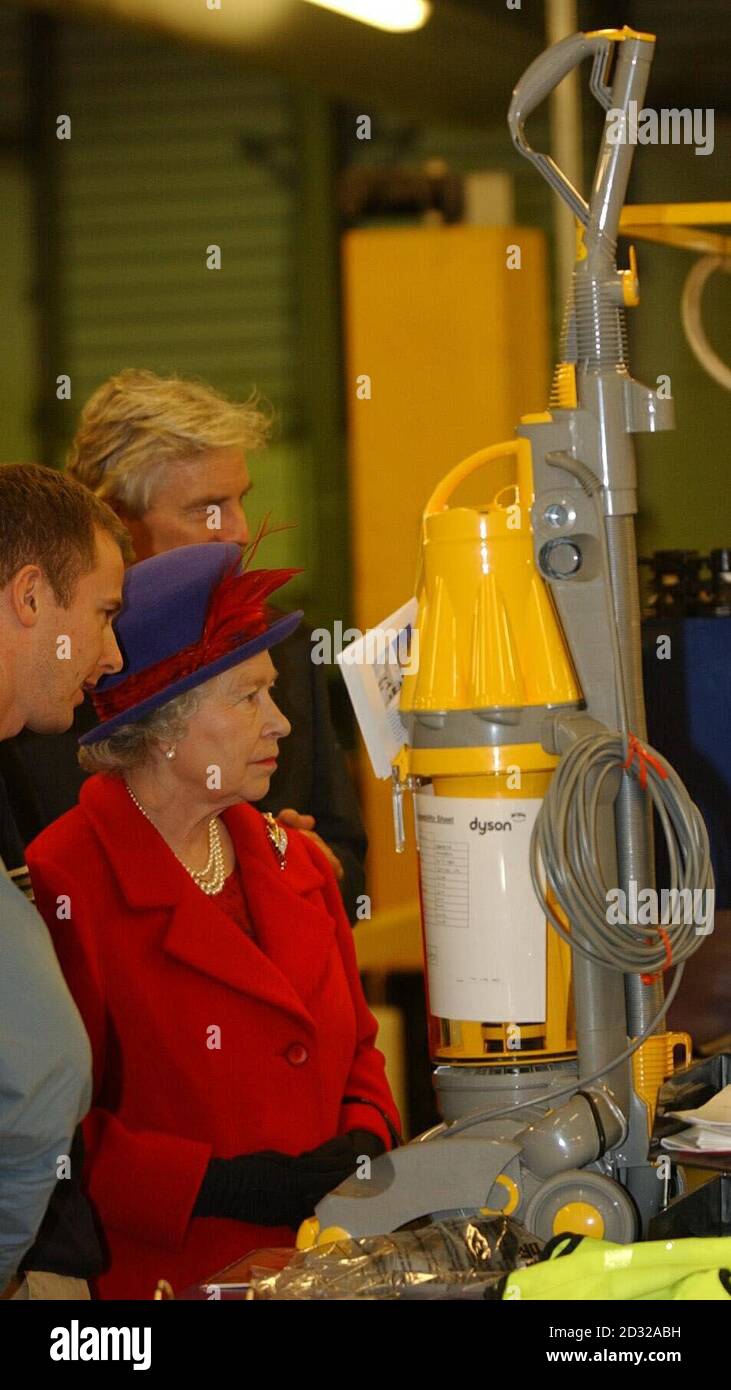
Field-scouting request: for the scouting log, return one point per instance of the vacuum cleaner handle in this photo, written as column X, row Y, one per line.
column 517, row 448
column 545, row 73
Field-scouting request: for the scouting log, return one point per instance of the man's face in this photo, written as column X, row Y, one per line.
column 74, row 646
column 200, row 499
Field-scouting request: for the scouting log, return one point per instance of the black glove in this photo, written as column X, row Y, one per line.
column 352, row 1146
column 276, row 1189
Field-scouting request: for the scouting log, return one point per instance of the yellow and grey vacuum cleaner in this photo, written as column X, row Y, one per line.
column 533, row 784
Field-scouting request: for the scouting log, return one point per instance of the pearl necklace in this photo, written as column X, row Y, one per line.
column 211, row 879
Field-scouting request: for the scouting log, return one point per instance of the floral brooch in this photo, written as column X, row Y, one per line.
column 278, row 836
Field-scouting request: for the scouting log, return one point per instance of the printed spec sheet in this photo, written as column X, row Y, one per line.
column 485, row 932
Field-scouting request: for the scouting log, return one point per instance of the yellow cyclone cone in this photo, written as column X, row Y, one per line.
column 489, row 637
column 438, row 643
column 492, row 675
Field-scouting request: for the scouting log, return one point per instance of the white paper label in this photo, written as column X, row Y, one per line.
column 485, row 932
column 373, row 668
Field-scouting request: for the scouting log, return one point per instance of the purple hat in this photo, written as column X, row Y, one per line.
column 186, row 615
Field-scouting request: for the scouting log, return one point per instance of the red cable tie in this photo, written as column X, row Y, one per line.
column 644, row 756
column 651, row 979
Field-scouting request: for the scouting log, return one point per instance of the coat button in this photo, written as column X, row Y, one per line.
column 296, row 1054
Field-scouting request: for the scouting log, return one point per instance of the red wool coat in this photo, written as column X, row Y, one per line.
column 156, row 968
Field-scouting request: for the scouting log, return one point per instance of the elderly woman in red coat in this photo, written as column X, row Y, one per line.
column 236, row 1078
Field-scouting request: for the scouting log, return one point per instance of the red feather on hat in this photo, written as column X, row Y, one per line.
column 238, row 611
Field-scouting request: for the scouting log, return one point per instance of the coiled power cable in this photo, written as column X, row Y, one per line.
column 565, row 836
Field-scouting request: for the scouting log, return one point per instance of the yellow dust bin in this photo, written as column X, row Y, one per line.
column 490, row 647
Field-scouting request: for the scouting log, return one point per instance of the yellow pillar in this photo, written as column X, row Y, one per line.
column 447, row 346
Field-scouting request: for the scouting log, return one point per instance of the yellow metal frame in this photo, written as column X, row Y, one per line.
column 679, row 224
column 654, row 1062
column 619, row 35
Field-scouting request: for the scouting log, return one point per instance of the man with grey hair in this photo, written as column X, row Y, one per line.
column 169, row 456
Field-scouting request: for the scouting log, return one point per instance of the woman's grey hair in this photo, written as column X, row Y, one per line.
column 132, row 744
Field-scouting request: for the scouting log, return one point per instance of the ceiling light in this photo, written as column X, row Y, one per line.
column 397, row 16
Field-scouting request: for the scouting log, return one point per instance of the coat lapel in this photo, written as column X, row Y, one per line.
column 206, row 939
column 293, row 927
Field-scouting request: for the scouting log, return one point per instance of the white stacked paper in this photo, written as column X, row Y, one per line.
column 710, row 1126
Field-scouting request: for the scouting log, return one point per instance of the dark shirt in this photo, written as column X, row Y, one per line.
column 67, row 1242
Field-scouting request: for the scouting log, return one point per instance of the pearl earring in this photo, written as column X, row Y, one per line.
column 169, row 752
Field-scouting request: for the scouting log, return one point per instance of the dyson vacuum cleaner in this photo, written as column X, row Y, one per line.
column 533, row 785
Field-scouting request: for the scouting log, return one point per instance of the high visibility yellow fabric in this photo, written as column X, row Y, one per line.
column 690, row 1268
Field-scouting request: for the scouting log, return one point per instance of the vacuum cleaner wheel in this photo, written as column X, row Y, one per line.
column 584, row 1203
